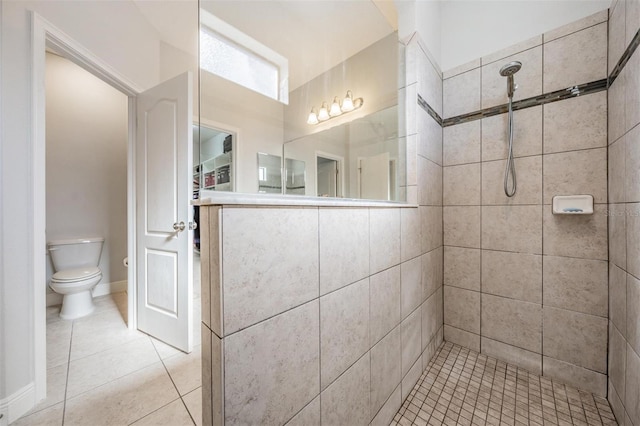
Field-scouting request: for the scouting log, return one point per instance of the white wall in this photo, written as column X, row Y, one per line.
column 257, row 119
column 116, row 32
column 458, row 31
column 424, row 17
column 87, row 162
column 471, row 29
column 173, row 62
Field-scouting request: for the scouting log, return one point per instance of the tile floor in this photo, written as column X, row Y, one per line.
column 462, row 387
column 101, row 373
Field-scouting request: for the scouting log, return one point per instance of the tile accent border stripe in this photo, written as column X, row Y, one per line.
column 558, row 95
column 432, row 112
column 635, row 42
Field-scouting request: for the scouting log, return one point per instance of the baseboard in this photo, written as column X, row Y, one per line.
column 101, row 289
column 108, row 288
column 17, row 405
column 53, row 299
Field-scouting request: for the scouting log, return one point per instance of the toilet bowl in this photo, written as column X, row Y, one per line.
column 76, row 264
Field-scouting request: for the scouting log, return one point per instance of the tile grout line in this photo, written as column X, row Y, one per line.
column 481, row 224
column 160, row 408
column 66, row 384
column 542, row 227
column 609, row 81
column 174, row 385
column 319, row 328
column 442, row 304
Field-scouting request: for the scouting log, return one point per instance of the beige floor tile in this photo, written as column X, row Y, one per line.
column 58, row 343
column 116, row 370
column 164, row 351
column 95, row 370
column 116, row 302
column 53, row 314
column 100, row 332
column 185, row 370
column 193, row 400
column 56, row 386
column 172, row 414
column 123, row 400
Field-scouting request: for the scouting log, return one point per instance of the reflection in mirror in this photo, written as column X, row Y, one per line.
column 358, row 61
column 359, row 159
column 329, row 175
column 214, row 169
column 294, row 171
column 269, row 173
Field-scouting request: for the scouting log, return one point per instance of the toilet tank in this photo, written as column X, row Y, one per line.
column 75, row 253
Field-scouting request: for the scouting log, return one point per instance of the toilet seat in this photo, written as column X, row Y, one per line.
column 73, row 275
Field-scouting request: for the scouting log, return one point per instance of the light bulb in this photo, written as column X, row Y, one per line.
column 347, row 103
column 335, row 108
column 313, row 117
column 323, row 114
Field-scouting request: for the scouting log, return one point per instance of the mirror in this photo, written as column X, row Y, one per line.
column 213, row 167
column 358, row 159
column 265, row 65
column 269, row 174
column 295, row 177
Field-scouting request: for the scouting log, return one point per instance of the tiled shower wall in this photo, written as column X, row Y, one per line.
column 522, row 284
column 326, row 315
column 624, row 217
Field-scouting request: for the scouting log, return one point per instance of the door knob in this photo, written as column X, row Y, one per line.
column 178, row 227
column 193, row 226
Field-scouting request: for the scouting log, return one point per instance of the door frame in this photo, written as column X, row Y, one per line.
column 221, row 127
column 340, row 161
column 46, row 35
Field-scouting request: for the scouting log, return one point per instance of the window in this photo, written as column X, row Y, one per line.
column 234, row 56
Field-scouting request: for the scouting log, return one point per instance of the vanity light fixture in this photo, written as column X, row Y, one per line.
column 347, row 104
column 313, row 117
column 325, row 113
column 335, row 108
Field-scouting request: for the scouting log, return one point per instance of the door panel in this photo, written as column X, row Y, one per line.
column 162, row 271
column 162, row 173
column 163, row 193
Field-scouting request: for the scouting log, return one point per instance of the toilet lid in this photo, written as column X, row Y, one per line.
column 76, row 274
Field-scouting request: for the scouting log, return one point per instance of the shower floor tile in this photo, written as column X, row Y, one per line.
column 463, row 387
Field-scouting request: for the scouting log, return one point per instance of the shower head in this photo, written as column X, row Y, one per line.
column 510, row 69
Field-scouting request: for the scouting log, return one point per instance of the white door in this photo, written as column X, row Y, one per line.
column 163, row 214
column 327, row 177
column 374, row 177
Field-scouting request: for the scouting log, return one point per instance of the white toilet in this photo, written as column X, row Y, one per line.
column 77, row 273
